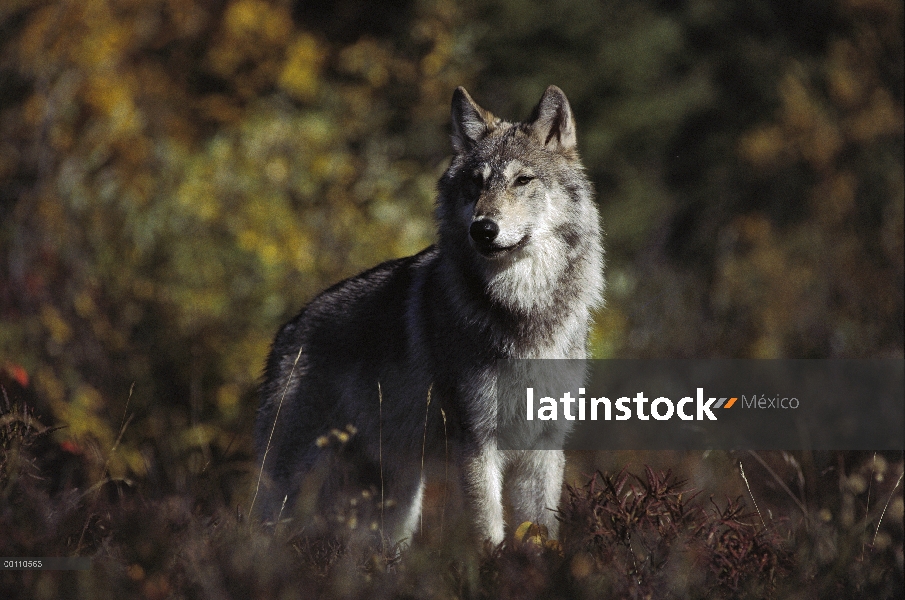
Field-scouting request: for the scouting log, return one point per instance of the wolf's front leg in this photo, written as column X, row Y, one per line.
column 483, row 474
column 536, row 486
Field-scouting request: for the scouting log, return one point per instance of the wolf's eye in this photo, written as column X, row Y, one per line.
column 477, row 180
column 523, row 180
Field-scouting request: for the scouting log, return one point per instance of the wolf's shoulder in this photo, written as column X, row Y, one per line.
column 368, row 307
column 385, row 278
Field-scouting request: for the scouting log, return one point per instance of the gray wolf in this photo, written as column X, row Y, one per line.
column 515, row 273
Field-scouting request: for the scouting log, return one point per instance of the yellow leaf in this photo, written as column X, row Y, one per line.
column 54, row 323
column 300, row 74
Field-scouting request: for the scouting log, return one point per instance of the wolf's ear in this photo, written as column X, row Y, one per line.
column 551, row 122
column 470, row 122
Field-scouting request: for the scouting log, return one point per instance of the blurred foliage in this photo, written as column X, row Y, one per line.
column 749, row 162
column 177, row 177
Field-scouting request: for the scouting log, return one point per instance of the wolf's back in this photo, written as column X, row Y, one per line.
column 326, row 361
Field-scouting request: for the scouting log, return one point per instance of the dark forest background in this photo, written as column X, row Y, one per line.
column 178, row 177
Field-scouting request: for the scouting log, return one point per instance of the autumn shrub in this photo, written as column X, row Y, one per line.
column 623, row 535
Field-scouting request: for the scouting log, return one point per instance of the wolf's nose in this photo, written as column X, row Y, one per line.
column 484, row 231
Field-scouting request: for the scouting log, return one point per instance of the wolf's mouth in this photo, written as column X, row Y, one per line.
column 491, row 251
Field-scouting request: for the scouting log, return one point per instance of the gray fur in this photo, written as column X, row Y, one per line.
column 520, row 284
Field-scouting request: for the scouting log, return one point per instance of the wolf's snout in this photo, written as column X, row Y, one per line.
column 484, row 231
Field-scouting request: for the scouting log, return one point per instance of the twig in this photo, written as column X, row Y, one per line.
column 781, row 483
column 423, row 446
column 124, row 423
column 888, row 500
column 446, row 472
column 742, row 469
column 383, row 543
column 272, row 429
column 870, row 483
column 280, row 515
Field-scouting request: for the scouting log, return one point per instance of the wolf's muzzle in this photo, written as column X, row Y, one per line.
column 483, row 232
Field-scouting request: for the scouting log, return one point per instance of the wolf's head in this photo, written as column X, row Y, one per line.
column 515, row 206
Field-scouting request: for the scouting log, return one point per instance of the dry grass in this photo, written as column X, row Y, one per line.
column 623, row 535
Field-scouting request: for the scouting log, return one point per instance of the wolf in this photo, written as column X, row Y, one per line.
column 405, row 355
